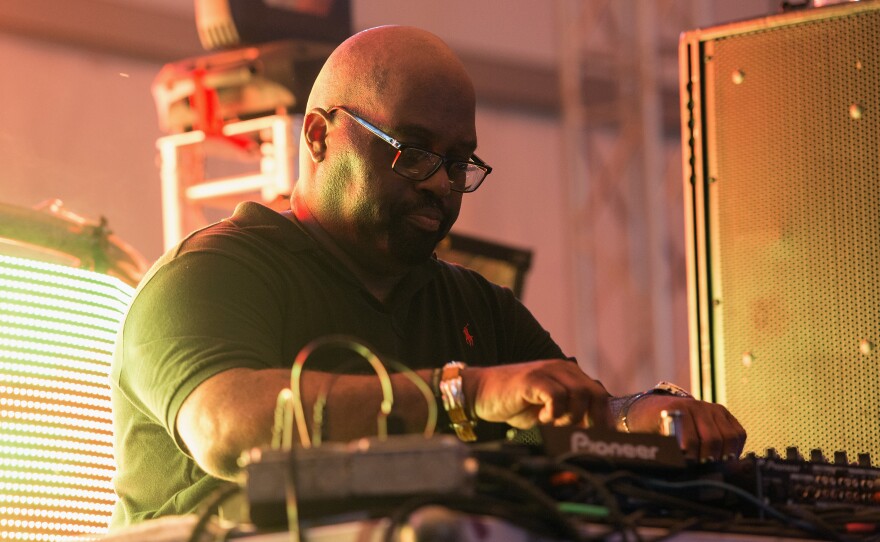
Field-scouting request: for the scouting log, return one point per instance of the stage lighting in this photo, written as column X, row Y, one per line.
column 57, row 328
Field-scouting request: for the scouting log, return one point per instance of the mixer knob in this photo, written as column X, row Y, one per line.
column 772, row 453
column 840, row 458
column 793, row 454
column 864, row 460
column 816, row 456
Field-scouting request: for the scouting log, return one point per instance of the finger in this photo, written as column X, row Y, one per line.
column 601, row 412
column 720, row 434
column 599, row 415
column 551, row 395
column 565, row 419
column 589, row 409
column 710, row 434
column 567, row 404
column 690, row 436
column 587, row 398
column 576, row 403
column 733, row 433
column 582, row 409
column 526, row 419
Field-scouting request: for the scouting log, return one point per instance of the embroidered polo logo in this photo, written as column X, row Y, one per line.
column 467, row 335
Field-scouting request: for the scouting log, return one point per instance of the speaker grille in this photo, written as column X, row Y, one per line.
column 794, row 224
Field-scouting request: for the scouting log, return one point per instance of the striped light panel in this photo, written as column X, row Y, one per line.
column 57, row 327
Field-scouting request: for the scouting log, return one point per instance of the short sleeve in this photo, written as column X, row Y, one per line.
column 198, row 315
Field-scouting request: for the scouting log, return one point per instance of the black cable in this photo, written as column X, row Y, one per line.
column 599, row 486
column 670, row 501
column 209, row 507
column 616, row 517
column 702, row 512
column 811, row 526
column 566, row 527
column 822, row 527
column 847, row 513
column 697, row 507
column 349, row 343
column 745, row 495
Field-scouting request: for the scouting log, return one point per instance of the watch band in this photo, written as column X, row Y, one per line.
column 454, row 402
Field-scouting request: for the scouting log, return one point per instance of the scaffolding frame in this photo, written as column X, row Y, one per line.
column 187, row 193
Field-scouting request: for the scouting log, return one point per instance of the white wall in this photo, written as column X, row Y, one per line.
column 520, row 204
column 80, row 126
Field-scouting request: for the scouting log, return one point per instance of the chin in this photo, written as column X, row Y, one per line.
column 413, row 249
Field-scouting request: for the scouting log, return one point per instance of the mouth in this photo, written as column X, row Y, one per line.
column 426, row 218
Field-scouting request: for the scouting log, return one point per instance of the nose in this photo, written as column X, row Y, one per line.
column 438, row 184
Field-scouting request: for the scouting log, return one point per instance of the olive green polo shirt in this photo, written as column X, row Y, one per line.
column 251, row 291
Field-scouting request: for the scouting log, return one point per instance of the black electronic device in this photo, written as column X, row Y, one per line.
column 367, row 475
column 815, row 482
column 224, row 24
column 612, row 449
column 620, row 480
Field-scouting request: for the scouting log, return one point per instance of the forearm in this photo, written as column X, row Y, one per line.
column 234, row 411
column 354, row 403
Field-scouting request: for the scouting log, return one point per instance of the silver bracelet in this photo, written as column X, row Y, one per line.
column 662, row 388
column 624, row 412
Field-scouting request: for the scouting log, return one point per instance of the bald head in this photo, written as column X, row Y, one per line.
column 384, row 62
column 390, row 74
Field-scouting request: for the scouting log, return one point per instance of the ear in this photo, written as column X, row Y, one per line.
column 315, row 133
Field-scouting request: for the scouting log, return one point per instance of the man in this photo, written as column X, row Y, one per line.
column 387, row 152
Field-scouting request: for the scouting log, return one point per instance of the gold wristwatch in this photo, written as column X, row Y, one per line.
column 454, row 401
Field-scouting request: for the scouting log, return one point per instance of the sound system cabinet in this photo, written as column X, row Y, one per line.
column 781, row 155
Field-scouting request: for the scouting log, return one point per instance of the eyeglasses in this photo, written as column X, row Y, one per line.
column 418, row 164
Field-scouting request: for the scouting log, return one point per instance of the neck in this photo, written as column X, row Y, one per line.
column 379, row 280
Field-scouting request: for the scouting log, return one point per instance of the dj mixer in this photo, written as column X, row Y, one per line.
column 570, row 479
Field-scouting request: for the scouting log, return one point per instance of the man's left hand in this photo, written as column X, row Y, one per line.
column 708, row 430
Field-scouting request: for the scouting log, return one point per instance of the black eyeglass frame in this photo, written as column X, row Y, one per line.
column 400, row 147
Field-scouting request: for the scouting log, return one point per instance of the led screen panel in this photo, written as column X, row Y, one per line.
column 57, row 329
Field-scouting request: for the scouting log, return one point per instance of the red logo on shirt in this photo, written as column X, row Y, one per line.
column 467, row 335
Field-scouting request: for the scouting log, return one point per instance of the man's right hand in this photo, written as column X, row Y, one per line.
column 523, row 395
